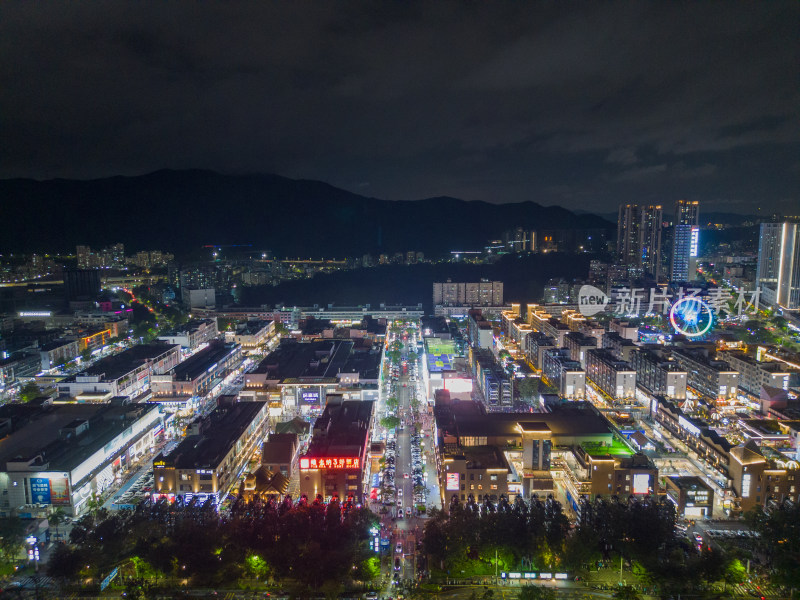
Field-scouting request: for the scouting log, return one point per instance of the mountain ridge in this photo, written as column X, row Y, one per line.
column 175, row 210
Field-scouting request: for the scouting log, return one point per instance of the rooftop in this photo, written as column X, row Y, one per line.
column 342, row 429
column 482, row 457
column 114, row 367
column 688, row 482
column 219, row 432
column 37, row 432
column 294, row 360
column 203, row 361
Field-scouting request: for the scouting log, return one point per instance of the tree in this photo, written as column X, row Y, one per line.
column 536, row 592
column 390, row 422
column 627, row 592
column 780, row 541
column 29, row 391
column 734, row 573
column 56, row 518
column 528, row 387
column 86, row 354
column 12, row 537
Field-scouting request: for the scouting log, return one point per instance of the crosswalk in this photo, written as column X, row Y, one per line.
column 741, row 591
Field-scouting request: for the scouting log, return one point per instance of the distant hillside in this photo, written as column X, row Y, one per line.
column 183, row 210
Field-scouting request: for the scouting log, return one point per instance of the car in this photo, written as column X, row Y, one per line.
column 371, row 596
column 396, row 564
column 399, row 513
column 405, row 475
column 408, row 511
column 399, row 548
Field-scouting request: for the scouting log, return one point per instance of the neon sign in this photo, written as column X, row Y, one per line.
column 349, row 462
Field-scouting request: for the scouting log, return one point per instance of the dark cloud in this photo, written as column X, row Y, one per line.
column 584, row 105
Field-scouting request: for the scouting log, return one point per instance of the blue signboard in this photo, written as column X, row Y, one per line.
column 109, row 578
column 40, row 490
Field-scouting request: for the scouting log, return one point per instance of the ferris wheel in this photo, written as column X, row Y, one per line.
column 691, row 317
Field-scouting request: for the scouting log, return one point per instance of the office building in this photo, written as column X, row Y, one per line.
column 212, row 458
column 536, row 344
column 620, row 347
column 778, row 270
column 58, row 352
column 578, row 345
column 639, row 237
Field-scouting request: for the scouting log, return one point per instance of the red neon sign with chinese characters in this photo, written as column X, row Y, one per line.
column 348, row 462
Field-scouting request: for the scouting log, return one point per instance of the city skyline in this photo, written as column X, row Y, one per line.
column 584, row 108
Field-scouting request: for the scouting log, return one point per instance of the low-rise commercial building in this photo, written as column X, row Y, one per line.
column 192, row 335
column 693, row 498
column 299, row 376
column 253, row 334
column 196, row 375
column 709, row 445
column 60, row 456
column 211, row 460
column 58, row 352
column 339, row 452
column 278, row 453
column 125, row 374
column 762, row 477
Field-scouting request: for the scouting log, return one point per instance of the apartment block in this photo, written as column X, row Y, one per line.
column 614, row 377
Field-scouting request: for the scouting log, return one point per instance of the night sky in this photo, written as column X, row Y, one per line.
column 585, row 105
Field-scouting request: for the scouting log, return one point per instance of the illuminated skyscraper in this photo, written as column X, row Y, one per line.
column 685, row 240
column 778, row 273
column 639, row 237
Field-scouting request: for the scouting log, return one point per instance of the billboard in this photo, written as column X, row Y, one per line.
column 59, row 491
column 40, row 490
column 309, row 396
column 50, row 490
column 349, row 462
column 452, row 483
column 641, row 483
